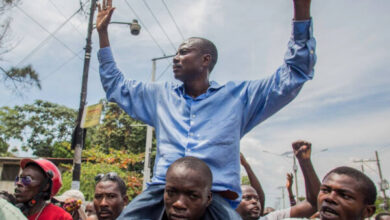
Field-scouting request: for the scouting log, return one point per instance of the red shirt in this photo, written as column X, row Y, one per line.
column 51, row 212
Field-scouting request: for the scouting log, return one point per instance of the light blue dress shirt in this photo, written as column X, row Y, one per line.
column 210, row 126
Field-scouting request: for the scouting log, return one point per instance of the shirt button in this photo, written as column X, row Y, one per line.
column 192, row 122
column 193, row 116
column 311, row 51
column 188, row 150
column 191, row 134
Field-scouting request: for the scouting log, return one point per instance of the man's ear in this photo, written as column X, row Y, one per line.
column 368, row 211
column 125, row 200
column 207, row 59
column 209, row 198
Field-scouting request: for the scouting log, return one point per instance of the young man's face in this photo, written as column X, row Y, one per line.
column 249, row 207
column 108, row 200
column 29, row 183
column 186, row 194
column 188, row 62
column 340, row 198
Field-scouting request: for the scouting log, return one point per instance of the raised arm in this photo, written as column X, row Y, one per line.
column 289, row 183
column 302, row 9
column 255, row 183
column 103, row 20
column 302, row 150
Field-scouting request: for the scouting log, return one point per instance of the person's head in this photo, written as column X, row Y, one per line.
column 346, row 193
column 195, row 59
column 90, row 209
column 73, row 201
column 383, row 216
column 39, row 180
column 250, row 207
column 110, row 196
column 187, row 191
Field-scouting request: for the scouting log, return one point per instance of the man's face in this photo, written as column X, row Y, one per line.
column 26, row 189
column 108, row 200
column 186, row 194
column 90, row 209
column 249, row 207
column 340, row 198
column 188, row 62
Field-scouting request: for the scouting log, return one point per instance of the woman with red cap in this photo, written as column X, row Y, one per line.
column 39, row 181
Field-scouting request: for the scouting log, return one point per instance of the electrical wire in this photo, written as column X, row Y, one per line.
column 60, row 66
column 164, row 71
column 51, row 35
column 144, row 26
column 170, row 15
column 59, row 11
column 159, row 24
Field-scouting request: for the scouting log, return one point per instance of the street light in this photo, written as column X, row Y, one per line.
column 135, row 28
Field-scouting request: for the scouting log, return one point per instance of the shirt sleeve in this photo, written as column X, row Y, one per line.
column 136, row 98
column 263, row 98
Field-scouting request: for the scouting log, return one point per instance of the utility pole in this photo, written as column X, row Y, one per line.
column 79, row 133
column 295, row 168
column 149, row 131
column 383, row 183
column 282, row 188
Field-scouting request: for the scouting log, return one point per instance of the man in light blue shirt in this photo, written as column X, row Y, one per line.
column 201, row 118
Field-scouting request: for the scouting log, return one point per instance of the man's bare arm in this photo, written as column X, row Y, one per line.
column 103, row 20
column 302, row 9
column 289, row 189
column 302, row 150
column 255, row 183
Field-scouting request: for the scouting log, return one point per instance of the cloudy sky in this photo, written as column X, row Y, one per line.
column 344, row 111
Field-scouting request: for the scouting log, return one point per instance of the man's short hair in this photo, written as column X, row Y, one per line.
column 208, row 47
column 366, row 185
column 114, row 178
column 195, row 164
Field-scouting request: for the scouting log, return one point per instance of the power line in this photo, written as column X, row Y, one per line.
column 159, row 24
column 164, row 71
column 59, row 11
column 144, row 26
column 51, row 35
column 60, row 66
column 170, row 14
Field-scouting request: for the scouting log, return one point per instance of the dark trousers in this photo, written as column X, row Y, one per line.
column 150, row 205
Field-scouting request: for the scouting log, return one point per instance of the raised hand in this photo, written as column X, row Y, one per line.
column 289, row 180
column 302, row 149
column 104, row 15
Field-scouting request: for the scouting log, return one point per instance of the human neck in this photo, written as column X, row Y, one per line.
column 37, row 207
column 196, row 88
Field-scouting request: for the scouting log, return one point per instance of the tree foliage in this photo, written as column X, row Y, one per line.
column 118, row 131
column 125, row 164
column 17, row 76
column 38, row 126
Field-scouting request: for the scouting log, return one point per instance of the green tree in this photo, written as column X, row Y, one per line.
column 118, row 131
column 379, row 204
column 120, row 161
column 40, row 126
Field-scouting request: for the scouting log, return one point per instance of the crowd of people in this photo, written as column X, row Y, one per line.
column 344, row 193
column 198, row 125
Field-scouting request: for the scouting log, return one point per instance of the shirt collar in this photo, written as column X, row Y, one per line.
column 213, row 86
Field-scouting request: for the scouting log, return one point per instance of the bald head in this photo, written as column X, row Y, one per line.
column 194, row 164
